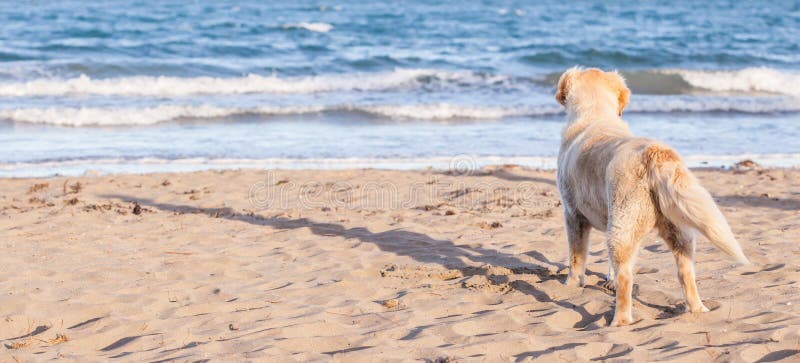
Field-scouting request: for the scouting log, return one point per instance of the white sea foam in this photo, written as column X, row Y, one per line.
column 118, row 116
column 179, row 86
column 446, row 111
column 664, row 104
column 645, row 104
column 759, row 79
column 314, row 27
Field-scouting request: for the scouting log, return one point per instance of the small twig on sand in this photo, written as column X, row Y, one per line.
column 60, row 338
column 177, row 253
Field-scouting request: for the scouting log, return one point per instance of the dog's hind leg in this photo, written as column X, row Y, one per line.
column 682, row 244
column 578, row 229
column 610, row 283
column 625, row 231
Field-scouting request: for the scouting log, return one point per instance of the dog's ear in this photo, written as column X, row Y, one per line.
column 563, row 87
column 624, row 94
column 624, row 98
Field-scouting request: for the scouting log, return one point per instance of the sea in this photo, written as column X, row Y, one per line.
column 141, row 86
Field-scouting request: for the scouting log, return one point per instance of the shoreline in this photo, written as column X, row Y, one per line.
column 461, row 163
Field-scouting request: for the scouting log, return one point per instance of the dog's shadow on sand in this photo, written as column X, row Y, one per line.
column 759, row 202
column 504, row 174
column 418, row 246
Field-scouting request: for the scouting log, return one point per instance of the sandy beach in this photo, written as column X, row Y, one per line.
column 369, row 265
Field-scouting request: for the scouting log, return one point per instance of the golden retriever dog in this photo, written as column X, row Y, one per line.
column 625, row 185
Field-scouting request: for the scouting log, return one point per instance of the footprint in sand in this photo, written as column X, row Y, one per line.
column 484, row 323
column 668, row 312
column 563, row 319
column 646, row 270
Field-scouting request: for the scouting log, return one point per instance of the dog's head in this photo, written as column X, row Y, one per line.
column 582, row 87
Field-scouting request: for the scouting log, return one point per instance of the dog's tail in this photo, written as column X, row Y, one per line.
column 684, row 202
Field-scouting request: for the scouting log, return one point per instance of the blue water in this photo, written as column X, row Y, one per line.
column 177, row 85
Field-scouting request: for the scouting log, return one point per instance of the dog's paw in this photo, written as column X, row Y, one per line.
column 698, row 309
column 609, row 285
column 574, row 281
column 625, row 319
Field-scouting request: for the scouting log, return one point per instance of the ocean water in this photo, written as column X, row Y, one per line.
column 142, row 86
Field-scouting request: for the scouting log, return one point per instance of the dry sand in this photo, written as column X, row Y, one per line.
column 366, row 265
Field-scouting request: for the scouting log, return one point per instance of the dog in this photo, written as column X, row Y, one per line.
column 625, row 185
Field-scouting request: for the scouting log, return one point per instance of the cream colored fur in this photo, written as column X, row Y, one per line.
column 626, row 186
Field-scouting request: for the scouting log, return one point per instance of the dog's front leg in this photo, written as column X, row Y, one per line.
column 578, row 229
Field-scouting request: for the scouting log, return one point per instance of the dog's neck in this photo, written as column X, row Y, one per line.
column 580, row 117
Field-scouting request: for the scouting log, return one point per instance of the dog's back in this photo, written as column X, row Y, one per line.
column 589, row 155
column 605, row 157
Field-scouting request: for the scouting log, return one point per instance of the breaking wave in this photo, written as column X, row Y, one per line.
column 757, row 81
column 183, row 86
column 128, row 116
column 747, row 80
column 121, row 116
